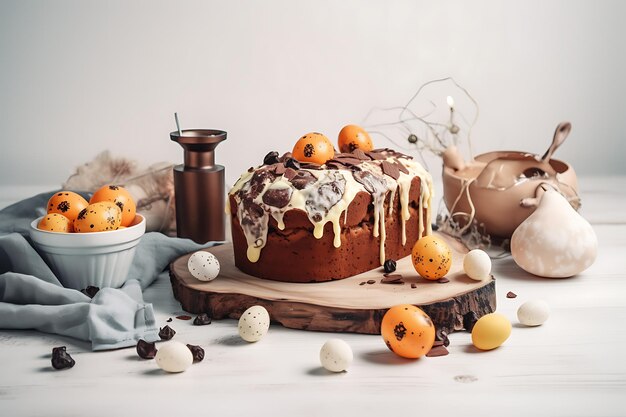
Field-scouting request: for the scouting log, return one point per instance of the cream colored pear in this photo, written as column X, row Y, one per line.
column 555, row 241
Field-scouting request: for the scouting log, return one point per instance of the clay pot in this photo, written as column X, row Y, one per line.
column 504, row 187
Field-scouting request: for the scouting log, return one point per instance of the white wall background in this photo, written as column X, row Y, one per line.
column 78, row 77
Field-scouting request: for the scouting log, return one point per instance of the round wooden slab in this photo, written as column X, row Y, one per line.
column 336, row 306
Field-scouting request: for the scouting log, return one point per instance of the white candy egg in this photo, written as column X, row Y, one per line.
column 254, row 324
column 336, row 355
column 533, row 313
column 477, row 264
column 173, row 357
column 204, row 266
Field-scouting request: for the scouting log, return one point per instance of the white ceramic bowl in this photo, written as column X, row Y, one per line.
column 101, row 259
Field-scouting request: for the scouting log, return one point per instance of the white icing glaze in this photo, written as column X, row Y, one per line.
column 323, row 207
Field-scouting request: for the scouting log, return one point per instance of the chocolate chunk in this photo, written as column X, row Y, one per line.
column 197, row 352
column 511, row 294
column 390, row 169
column 202, row 320
column 469, row 320
column 389, row 266
column 392, row 279
column 437, row 351
column 61, row 359
column 442, row 336
column 328, row 194
column 435, row 227
column 279, row 169
column 292, row 163
column 377, row 156
column 362, row 283
column 252, row 209
column 302, row 180
column 271, row 158
column 346, row 160
column 443, row 280
column 310, row 165
column 359, row 154
column 184, row 317
column 412, row 138
column 285, row 157
column 166, row 333
column 401, row 167
column 371, row 281
column 146, row 350
column 413, row 285
column 290, row 173
column 90, row 291
column 334, row 165
column 169, row 320
column 370, row 182
column 278, row 197
column 259, row 180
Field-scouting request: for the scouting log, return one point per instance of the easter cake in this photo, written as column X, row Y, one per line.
column 301, row 221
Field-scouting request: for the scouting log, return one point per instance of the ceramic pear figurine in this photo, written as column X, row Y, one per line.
column 555, row 241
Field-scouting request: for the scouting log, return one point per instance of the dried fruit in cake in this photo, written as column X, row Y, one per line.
column 408, row 331
column 353, row 137
column 98, row 217
column 431, row 257
column 67, row 203
column 55, row 222
column 313, row 147
column 121, row 197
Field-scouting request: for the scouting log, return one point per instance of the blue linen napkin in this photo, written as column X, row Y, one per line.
column 31, row 297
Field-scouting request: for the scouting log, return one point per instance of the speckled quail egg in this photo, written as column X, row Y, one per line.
column 98, row 217
column 55, row 222
column 203, row 266
column 336, row 355
column 254, row 324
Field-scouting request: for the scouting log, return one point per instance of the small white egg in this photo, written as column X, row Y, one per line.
column 173, row 357
column 336, row 355
column 477, row 264
column 254, row 324
column 533, row 313
column 204, row 266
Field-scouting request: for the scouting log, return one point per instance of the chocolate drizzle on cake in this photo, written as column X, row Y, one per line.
column 325, row 192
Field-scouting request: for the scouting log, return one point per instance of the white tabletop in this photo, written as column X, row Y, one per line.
column 573, row 365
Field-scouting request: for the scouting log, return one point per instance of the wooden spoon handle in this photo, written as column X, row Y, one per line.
column 560, row 134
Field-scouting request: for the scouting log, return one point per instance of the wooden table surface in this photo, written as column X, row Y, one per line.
column 573, row 365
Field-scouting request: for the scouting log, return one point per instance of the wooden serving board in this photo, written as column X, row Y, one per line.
column 337, row 306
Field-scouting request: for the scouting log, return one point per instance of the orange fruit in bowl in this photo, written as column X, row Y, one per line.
column 353, row 137
column 121, row 198
column 313, row 147
column 67, row 203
